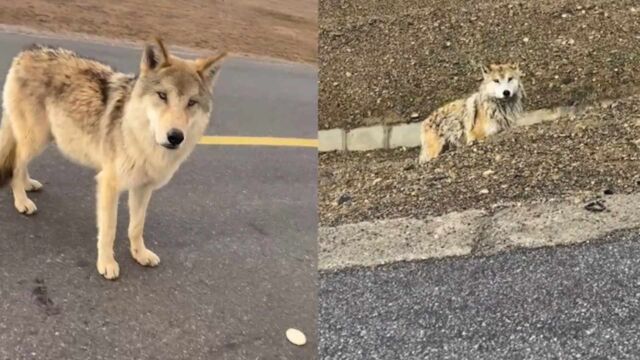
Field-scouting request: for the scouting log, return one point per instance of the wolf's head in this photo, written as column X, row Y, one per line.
column 175, row 94
column 502, row 82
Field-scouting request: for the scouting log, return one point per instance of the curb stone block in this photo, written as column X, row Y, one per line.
column 367, row 138
column 331, row 140
column 408, row 135
column 405, row 135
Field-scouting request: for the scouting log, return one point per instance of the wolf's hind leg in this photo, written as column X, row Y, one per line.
column 26, row 149
column 22, row 203
column 31, row 132
column 432, row 144
column 138, row 201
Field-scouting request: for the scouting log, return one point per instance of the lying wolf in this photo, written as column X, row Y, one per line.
column 496, row 106
column 135, row 131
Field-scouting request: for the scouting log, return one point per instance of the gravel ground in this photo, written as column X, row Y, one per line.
column 278, row 28
column 381, row 61
column 574, row 158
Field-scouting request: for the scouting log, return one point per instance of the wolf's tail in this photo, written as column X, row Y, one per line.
column 7, row 150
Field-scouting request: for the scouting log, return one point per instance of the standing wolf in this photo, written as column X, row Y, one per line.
column 495, row 107
column 134, row 130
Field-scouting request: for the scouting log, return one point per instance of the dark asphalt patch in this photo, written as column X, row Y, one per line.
column 553, row 303
column 41, row 296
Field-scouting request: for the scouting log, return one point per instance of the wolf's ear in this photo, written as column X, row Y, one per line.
column 153, row 59
column 207, row 67
column 516, row 67
column 485, row 69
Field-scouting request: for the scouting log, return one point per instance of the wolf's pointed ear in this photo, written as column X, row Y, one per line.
column 516, row 68
column 485, row 69
column 153, row 59
column 207, row 67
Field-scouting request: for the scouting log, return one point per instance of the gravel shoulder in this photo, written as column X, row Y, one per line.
column 576, row 158
column 284, row 29
column 383, row 61
column 474, row 232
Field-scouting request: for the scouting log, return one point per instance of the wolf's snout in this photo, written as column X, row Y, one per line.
column 175, row 137
column 506, row 93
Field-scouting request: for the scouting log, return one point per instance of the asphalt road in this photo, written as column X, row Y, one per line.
column 235, row 229
column 552, row 303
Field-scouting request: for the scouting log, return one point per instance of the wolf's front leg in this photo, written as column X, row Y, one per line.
column 138, row 201
column 107, row 218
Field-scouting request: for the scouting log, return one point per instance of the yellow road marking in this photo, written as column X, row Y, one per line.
column 258, row 141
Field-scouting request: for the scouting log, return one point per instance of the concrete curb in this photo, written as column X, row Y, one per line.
column 473, row 232
column 407, row 134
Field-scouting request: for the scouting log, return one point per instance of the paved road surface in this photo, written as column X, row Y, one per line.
column 553, row 303
column 235, row 229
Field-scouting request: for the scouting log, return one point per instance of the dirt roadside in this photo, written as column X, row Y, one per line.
column 573, row 158
column 285, row 29
column 382, row 61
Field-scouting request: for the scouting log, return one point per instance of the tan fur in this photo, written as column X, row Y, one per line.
column 432, row 143
column 477, row 117
column 116, row 123
column 7, row 152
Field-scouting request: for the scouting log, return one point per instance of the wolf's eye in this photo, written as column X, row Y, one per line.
column 496, row 81
column 509, row 80
column 162, row 96
column 191, row 103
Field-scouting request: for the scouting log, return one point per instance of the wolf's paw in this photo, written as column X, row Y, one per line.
column 423, row 159
column 108, row 268
column 145, row 257
column 26, row 206
column 33, row 185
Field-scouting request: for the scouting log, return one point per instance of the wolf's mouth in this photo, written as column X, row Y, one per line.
column 170, row 146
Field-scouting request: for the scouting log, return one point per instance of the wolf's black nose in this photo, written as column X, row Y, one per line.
column 175, row 137
column 506, row 93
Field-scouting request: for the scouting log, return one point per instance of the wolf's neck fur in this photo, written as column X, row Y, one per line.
column 505, row 112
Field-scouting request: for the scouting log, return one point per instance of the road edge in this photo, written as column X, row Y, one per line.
column 132, row 44
column 475, row 232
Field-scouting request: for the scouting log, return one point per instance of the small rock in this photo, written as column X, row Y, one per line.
column 608, row 191
column 525, row 40
column 348, row 74
column 595, row 206
column 484, row 191
column 376, row 181
column 488, row 173
column 296, row 337
column 414, row 115
column 571, row 42
column 344, row 198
